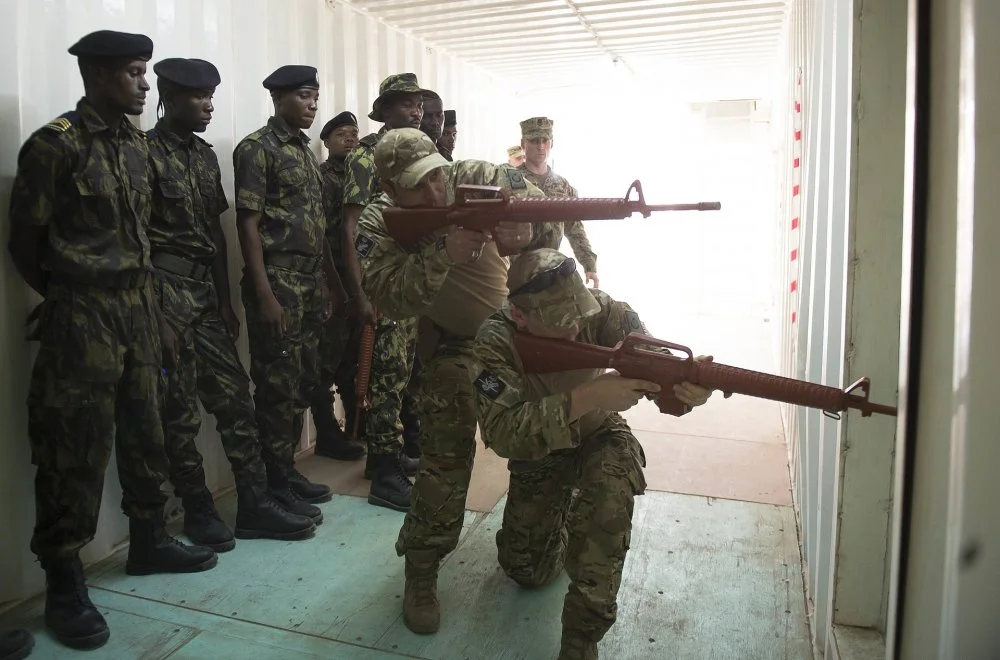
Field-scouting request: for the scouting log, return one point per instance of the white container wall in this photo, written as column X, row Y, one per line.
column 246, row 39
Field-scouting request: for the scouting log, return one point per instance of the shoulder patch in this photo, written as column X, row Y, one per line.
column 516, row 180
column 364, row 244
column 634, row 323
column 490, row 384
column 62, row 123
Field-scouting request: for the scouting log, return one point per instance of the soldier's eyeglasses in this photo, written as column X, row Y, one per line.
column 545, row 279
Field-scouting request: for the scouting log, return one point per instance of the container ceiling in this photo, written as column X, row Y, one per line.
column 553, row 43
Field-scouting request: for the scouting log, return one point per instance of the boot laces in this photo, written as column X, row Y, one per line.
column 424, row 589
column 398, row 474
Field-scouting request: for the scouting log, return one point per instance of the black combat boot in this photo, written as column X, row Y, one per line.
column 307, row 490
column 390, row 487
column 260, row 516
column 203, row 525
column 331, row 440
column 69, row 614
column 408, row 463
column 151, row 550
column 289, row 500
column 16, row 644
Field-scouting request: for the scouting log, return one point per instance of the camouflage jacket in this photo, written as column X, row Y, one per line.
column 277, row 175
column 526, row 416
column 187, row 195
column 88, row 184
column 333, row 172
column 404, row 283
column 361, row 181
column 554, row 185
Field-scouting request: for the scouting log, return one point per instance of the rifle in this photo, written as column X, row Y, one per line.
column 470, row 211
column 365, row 351
column 633, row 358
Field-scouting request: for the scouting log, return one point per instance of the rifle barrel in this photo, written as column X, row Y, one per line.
column 698, row 206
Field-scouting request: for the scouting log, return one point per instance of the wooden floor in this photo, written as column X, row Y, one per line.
column 713, row 571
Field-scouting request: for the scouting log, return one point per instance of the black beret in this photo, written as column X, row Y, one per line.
column 429, row 94
column 292, row 76
column 449, row 118
column 193, row 73
column 345, row 118
column 111, row 44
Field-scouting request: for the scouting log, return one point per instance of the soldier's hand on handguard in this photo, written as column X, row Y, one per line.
column 611, row 391
column 514, row 236
column 272, row 315
column 691, row 394
column 464, row 245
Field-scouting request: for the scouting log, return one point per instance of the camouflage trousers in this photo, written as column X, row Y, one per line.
column 545, row 529
column 338, row 363
column 392, row 360
column 208, row 369
column 448, row 449
column 94, row 386
column 284, row 369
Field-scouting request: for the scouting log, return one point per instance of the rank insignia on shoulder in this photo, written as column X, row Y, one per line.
column 62, row 123
column 516, row 180
column 490, row 384
column 364, row 245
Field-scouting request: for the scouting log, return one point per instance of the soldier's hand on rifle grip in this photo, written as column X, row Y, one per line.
column 515, row 236
column 691, row 394
column 273, row 315
column 464, row 245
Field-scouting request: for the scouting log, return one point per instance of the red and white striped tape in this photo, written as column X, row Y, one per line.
column 796, row 205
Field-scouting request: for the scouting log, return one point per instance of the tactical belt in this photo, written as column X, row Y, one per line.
column 132, row 279
column 296, row 262
column 180, row 266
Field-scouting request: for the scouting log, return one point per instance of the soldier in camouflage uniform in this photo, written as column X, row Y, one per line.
column 290, row 285
column 536, row 141
column 338, row 345
column 452, row 281
column 399, row 105
column 79, row 209
column 449, row 135
column 192, row 288
column 562, row 432
column 515, row 155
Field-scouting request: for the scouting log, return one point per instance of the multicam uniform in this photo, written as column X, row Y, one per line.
column 525, row 418
column 95, row 380
column 187, row 198
column 451, row 301
column 277, row 176
column 554, row 185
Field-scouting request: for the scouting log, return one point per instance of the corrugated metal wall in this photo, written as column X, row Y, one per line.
column 246, row 39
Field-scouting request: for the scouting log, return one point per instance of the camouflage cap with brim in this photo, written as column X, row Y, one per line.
column 536, row 127
column 397, row 83
column 546, row 285
column 405, row 156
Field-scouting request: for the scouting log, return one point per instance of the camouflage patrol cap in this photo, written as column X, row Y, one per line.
column 515, row 152
column 397, row 83
column 536, row 127
column 545, row 284
column 405, row 156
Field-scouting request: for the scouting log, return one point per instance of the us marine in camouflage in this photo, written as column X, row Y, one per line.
column 399, row 105
column 192, row 289
column 452, row 281
column 282, row 227
column 338, row 344
column 79, row 209
column 536, row 141
column 562, row 432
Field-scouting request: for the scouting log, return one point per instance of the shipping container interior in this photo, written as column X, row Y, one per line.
column 767, row 530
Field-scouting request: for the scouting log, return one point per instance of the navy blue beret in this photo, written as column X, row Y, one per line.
column 111, row 44
column 345, row 118
column 194, row 73
column 292, row 76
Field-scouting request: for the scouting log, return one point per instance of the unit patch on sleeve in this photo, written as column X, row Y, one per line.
column 490, row 384
column 364, row 244
column 634, row 324
column 516, row 180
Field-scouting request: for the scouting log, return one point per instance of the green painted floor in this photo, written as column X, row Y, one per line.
column 705, row 579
